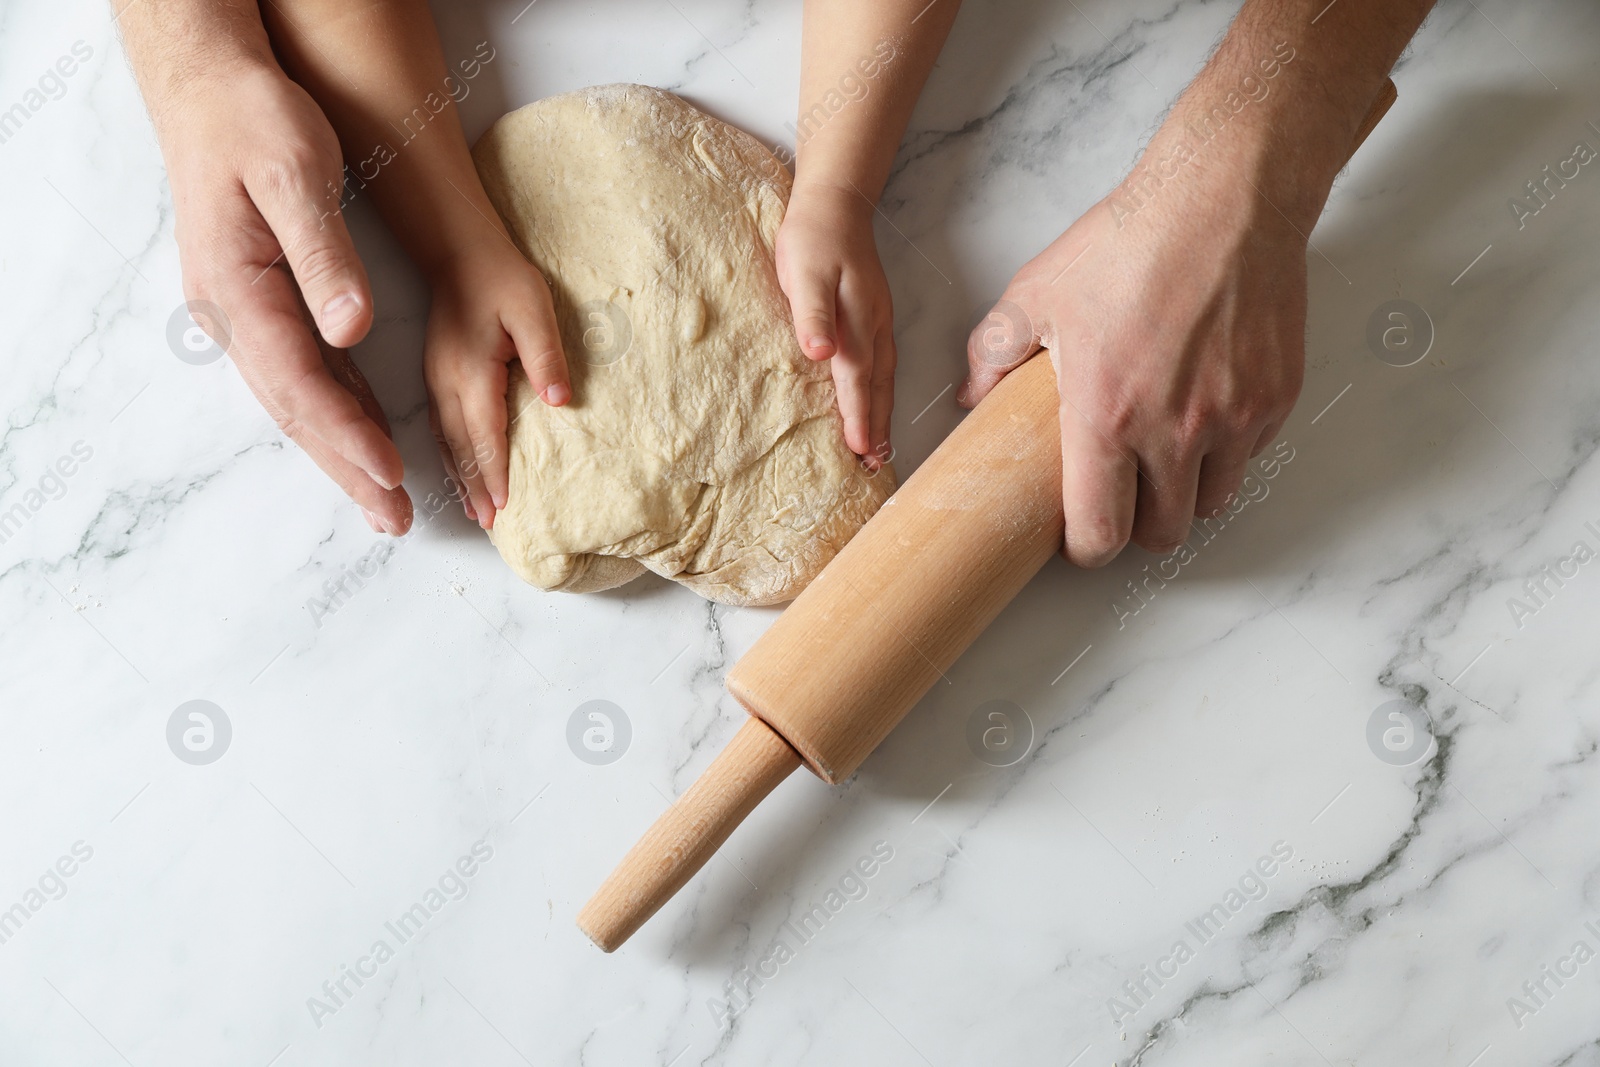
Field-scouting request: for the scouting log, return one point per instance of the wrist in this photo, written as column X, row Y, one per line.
column 832, row 195
column 457, row 265
column 1266, row 119
column 183, row 51
column 182, row 98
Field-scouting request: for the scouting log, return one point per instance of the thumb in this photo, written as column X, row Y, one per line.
column 811, row 302
column 999, row 344
column 605, row 335
column 310, row 229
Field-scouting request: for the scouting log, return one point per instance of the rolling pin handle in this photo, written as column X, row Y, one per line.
column 688, row 833
column 849, row 707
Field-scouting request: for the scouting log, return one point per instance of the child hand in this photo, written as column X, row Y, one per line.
column 839, row 298
column 489, row 308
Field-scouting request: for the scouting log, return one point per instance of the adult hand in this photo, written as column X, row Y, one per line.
column 256, row 175
column 1175, row 308
column 1178, row 336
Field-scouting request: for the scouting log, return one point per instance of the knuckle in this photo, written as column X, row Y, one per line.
column 1120, row 419
column 1161, row 541
column 483, row 447
column 487, row 420
column 319, row 265
column 545, row 363
column 198, row 285
column 1190, row 434
column 1095, row 541
column 853, row 382
column 290, row 169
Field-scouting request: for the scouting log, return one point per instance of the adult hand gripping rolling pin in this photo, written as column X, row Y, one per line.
column 885, row 619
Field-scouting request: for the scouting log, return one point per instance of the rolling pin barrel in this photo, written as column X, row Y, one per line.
column 893, row 611
column 870, row 635
column 876, row 629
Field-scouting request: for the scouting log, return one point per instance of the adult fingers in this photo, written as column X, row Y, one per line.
column 310, row 229
column 1098, row 491
column 1267, row 436
column 279, row 360
column 534, row 331
column 1221, row 473
column 997, row 345
column 347, row 374
column 386, row 510
column 1165, row 504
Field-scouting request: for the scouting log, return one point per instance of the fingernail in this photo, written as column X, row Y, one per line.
column 466, row 502
column 818, row 342
column 338, row 311
column 372, row 521
column 381, row 480
column 499, row 500
column 557, row 394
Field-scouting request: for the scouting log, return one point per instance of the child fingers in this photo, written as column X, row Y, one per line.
column 533, row 330
column 882, row 392
column 852, row 379
column 811, row 304
column 453, row 423
column 483, row 409
column 457, row 485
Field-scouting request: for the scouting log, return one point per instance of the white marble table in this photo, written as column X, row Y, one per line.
column 1200, row 770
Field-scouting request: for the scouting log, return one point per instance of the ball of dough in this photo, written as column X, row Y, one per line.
column 700, row 443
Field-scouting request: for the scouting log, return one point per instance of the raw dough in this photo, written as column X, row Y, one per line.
column 700, row 443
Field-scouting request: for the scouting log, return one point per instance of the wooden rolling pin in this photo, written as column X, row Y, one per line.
column 876, row 629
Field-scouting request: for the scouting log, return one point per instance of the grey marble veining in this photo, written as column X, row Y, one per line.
column 1200, row 858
